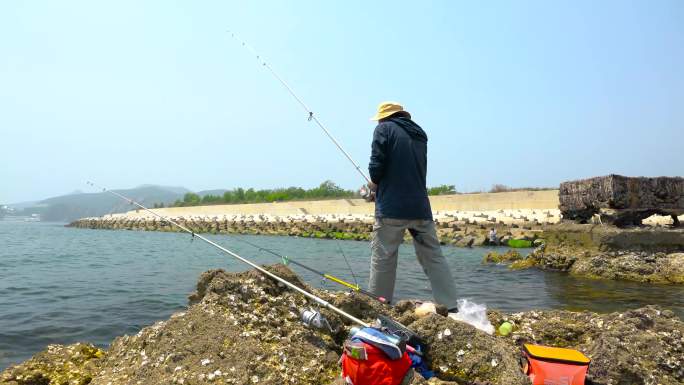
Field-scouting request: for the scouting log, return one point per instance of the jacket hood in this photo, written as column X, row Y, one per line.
column 411, row 128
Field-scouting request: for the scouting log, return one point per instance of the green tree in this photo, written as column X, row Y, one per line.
column 239, row 195
column 442, row 190
column 211, row 199
column 191, row 199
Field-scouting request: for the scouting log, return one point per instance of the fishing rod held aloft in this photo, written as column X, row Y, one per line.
column 313, row 297
column 310, row 113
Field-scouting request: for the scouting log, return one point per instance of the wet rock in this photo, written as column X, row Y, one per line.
column 522, row 264
column 508, row 256
column 617, row 265
column 610, row 238
column 641, row 255
column 640, row 267
column 549, row 259
column 75, row 364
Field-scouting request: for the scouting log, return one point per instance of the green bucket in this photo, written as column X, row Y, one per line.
column 519, row 243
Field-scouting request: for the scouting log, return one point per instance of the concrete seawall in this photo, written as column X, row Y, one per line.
column 535, row 200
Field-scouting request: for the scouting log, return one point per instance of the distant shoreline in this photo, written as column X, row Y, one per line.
column 519, row 219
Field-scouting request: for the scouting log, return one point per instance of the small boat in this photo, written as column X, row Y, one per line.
column 32, row 218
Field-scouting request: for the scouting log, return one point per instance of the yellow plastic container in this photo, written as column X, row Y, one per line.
column 548, row 365
column 556, row 354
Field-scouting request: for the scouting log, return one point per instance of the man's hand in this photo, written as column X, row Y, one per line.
column 368, row 192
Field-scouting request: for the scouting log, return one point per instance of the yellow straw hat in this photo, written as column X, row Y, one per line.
column 386, row 109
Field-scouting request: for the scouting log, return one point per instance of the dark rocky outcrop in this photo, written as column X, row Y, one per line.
column 649, row 255
column 243, row 328
column 594, row 238
column 508, row 256
column 621, row 200
column 652, row 255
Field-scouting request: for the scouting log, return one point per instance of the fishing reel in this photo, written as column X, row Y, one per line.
column 367, row 193
column 402, row 332
column 314, row 319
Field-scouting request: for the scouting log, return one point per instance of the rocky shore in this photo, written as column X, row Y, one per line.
column 242, row 328
column 648, row 255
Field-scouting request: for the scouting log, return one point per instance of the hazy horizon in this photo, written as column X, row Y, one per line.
column 526, row 94
column 96, row 191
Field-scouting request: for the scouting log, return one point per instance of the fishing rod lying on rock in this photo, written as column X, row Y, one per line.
column 312, row 317
column 287, row 260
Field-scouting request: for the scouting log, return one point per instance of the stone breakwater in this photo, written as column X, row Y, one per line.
column 459, row 228
column 242, row 328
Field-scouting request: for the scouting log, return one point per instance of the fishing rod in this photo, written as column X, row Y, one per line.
column 311, row 117
column 292, row 286
column 310, row 113
column 287, row 260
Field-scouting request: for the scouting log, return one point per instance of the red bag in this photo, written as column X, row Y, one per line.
column 375, row 369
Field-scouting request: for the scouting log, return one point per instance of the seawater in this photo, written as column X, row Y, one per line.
column 62, row 285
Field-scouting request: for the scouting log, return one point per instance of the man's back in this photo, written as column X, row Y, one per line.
column 399, row 165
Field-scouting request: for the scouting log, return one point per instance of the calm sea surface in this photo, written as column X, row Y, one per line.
column 62, row 285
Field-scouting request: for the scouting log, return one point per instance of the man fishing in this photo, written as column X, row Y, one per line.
column 398, row 165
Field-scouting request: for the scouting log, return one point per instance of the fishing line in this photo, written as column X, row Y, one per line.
column 310, row 113
column 311, row 117
column 318, row 300
column 339, row 247
column 287, row 260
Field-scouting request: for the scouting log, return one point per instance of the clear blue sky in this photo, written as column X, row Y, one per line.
column 512, row 92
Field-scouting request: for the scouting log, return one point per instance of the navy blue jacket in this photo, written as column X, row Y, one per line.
column 398, row 165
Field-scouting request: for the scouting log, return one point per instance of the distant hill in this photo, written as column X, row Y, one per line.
column 175, row 189
column 23, row 205
column 215, row 192
column 70, row 207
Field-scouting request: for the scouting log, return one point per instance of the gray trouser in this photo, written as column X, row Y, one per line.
column 388, row 234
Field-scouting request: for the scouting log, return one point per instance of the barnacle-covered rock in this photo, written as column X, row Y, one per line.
column 459, row 352
column 605, row 252
column 508, row 256
column 245, row 328
column 58, row 365
column 642, row 346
